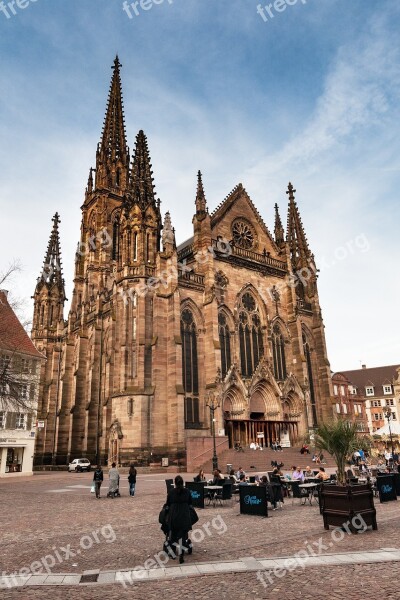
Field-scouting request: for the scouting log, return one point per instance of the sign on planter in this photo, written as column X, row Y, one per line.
column 253, row 500
column 197, row 493
column 386, row 487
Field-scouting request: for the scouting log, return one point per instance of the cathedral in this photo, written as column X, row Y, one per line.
column 167, row 344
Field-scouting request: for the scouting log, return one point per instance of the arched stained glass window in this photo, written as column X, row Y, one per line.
column 190, row 369
column 115, row 241
column 278, row 353
column 250, row 335
column 307, row 355
column 225, row 343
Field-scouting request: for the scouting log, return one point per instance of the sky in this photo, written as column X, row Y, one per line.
column 309, row 93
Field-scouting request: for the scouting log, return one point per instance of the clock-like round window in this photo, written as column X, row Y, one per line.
column 242, row 235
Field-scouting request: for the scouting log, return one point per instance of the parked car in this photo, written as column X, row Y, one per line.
column 79, row 465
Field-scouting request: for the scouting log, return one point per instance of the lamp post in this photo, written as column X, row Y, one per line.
column 213, row 402
column 389, row 416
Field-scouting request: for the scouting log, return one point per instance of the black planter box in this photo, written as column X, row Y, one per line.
column 340, row 506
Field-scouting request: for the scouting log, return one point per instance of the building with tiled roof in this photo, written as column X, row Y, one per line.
column 19, row 382
column 377, row 386
column 349, row 402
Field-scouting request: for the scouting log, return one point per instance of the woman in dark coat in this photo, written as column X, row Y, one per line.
column 179, row 500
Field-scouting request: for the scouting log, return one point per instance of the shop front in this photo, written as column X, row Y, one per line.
column 16, row 456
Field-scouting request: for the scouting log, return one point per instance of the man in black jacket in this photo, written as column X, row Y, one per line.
column 98, row 480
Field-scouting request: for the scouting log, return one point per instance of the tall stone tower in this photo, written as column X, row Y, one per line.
column 154, row 329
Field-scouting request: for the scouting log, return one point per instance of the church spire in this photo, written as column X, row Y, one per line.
column 112, row 159
column 49, row 296
column 201, row 203
column 299, row 251
column 142, row 182
column 279, row 232
column 52, row 269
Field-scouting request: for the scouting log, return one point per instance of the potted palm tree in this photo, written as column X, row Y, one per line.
column 341, row 503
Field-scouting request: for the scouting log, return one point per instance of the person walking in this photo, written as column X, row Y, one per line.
column 132, row 480
column 113, row 487
column 179, row 501
column 98, row 477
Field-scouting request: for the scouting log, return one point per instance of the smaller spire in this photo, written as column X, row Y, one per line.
column 89, row 188
column 52, row 268
column 142, row 181
column 168, row 234
column 279, row 231
column 295, row 235
column 201, row 202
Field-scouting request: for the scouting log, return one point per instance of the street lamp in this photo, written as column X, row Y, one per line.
column 213, row 402
column 389, row 416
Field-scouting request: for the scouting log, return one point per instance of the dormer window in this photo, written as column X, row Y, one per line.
column 369, row 391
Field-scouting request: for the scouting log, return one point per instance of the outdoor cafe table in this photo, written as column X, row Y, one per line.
column 309, row 487
column 214, row 490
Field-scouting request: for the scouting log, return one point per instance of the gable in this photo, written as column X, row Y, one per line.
column 237, row 218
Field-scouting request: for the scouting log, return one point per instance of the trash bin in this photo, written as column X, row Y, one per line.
column 229, row 468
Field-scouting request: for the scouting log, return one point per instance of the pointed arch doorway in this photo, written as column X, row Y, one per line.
column 260, row 420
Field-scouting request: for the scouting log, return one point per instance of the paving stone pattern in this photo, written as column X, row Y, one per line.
column 40, row 520
column 330, row 583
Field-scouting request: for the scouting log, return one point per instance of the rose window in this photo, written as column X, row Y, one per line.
column 242, row 235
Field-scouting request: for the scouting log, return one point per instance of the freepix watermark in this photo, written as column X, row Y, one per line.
column 135, row 8
column 10, row 9
column 159, row 560
column 268, row 12
column 61, row 554
column 300, row 558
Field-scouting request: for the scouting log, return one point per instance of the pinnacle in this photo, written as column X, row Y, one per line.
column 295, row 234
column 279, row 232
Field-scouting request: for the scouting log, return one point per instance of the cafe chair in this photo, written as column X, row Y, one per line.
column 224, row 494
column 353, row 480
column 277, row 489
column 170, row 484
column 297, row 492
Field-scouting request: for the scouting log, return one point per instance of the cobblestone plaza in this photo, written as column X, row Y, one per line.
column 56, row 535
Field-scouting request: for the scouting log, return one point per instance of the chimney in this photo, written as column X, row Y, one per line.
column 5, row 292
column 363, row 366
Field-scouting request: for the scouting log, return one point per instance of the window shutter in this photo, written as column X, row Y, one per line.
column 11, row 420
column 29, row 421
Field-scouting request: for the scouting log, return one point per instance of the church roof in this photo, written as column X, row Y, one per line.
column 13, row 337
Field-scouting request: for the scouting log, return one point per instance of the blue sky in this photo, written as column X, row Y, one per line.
column 310, row 96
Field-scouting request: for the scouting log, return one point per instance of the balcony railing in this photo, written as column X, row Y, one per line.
column 304, row 306
column 228, row 248
column 191, row 277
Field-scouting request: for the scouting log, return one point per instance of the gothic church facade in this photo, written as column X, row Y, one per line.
column 155, row 331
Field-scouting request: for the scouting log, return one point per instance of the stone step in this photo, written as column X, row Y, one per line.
column 260, row 460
